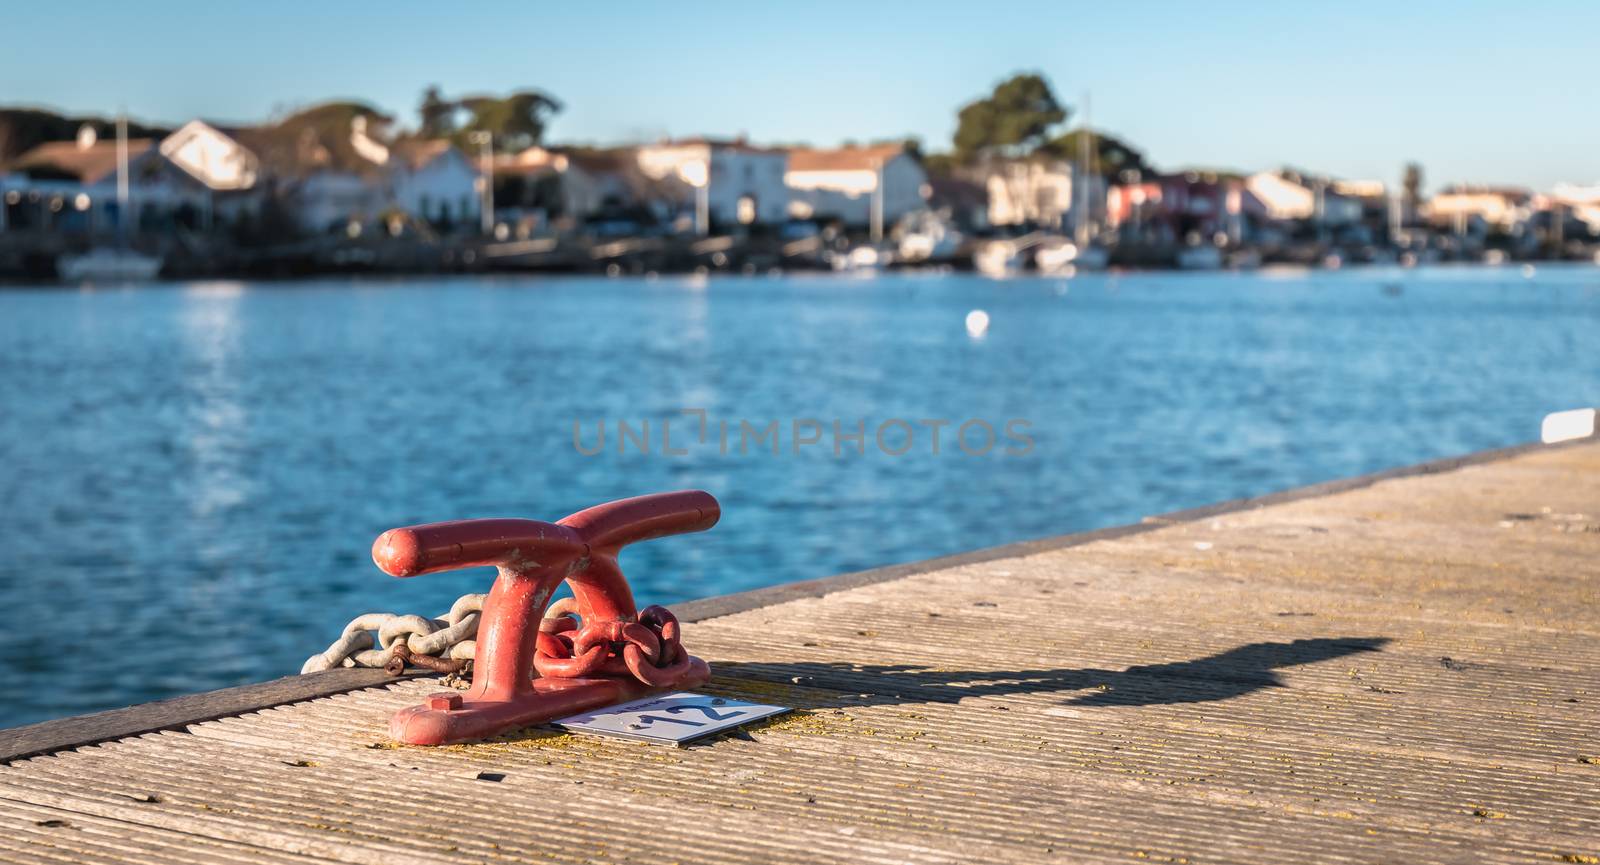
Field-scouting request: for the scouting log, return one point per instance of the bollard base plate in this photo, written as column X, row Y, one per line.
column 545, row 700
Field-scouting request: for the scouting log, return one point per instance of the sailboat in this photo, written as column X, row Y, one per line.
column 108, row 264
column 1060, row 258
column 998, row 258
column 928, row 238
column 1199, row 254
column 874, row 255
column 117, row 263
column 1083, row 253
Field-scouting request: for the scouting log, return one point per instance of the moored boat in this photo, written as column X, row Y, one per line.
column 1068, row 257
column 108, row 264
column 998, row 258
column 118, row 263
column 1202, row 256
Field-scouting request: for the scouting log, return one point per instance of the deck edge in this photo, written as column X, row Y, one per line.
column 62, row 734
column 45, row 737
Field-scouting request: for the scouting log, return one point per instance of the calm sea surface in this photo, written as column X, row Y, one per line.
column 191, row 475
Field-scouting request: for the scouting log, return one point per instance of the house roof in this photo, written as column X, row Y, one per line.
column 595, row 160
column 315, row 139
column 1510, row 193
column 272, row 149
column 740, row 144
column 85, row 164
column 1360, row 188
column 534, row 160
column 843, row 158
column 1260, row 182
column 419, row 153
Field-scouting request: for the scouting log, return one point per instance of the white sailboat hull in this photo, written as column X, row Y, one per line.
column 997, row 258
column 108, row 265
column 1245, row 259
column 1203, row 257
column 862, row 258
column 1070, row 257
column 929, row 247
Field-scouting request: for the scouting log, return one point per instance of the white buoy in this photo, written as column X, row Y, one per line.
column 977, row 323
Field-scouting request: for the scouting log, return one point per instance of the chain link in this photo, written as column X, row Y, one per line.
column 454, row 636
column 648, row 649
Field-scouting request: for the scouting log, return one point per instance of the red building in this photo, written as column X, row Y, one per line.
column 1168, row 207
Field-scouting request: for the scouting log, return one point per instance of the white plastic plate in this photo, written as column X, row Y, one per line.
column 1563, row 426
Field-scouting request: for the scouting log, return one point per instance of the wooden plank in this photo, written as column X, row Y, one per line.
column 37, row 833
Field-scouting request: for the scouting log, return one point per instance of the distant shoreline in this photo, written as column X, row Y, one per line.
column 11, row 282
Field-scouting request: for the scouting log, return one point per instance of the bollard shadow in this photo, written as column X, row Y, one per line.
column 1233, row 673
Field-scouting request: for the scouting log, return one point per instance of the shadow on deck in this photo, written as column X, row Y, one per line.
column 1233, row 673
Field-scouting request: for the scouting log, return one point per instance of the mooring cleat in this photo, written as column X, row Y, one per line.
column 590, row 651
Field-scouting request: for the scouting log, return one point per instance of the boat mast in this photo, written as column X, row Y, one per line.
column 1081, row 226
column 122, row 176
column 877, row 200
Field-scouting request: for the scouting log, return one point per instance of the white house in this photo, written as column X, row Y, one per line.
column 1032, row 191
column 340, row 180
column 73, row 184
column 589, row 179
column 327, row 200
column 1582, row 201
column 842, row 183
column 238, row 164
column 434, row 180
column 1286, row 195
column 1492, row 205
column 324, row 183
column 215, row 158
column 742, row 184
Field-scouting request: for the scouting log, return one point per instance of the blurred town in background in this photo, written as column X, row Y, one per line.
column 471, row 182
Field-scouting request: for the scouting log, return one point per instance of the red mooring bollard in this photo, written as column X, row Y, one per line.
column 615, row 655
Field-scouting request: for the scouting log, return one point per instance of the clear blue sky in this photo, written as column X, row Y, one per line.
column 1476, row 91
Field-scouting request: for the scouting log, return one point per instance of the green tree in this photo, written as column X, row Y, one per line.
column 939, row 164
column 1013, row 120
column 1111, row 155
column 437, row 114
column 517, row 121
column 1411, row 182
column 319, row 137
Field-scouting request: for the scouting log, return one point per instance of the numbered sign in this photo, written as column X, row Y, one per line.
column 671, row 719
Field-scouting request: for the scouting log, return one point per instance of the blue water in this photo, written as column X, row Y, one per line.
column 191, row 475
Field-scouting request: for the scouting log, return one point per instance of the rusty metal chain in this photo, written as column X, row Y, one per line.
column 649, row 649
column 443, row 645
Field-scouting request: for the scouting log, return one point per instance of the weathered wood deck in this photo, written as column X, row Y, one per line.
column 1390, row 671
